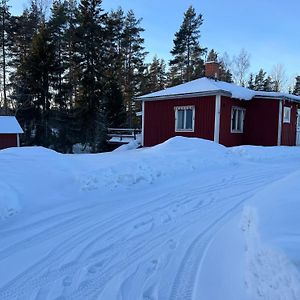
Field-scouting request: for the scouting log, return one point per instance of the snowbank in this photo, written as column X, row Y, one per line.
column 278, row 208
column 258, row 260
column 265, row 154
column 178, row 156
column 78, row 211
column 30, row 171
column 261, row 245
column 269, row 273
column 37, row 170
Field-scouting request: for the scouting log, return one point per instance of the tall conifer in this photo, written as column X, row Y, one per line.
column 187, row 62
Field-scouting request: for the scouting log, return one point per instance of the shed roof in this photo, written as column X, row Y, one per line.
column 9, row 124
column 206, row 86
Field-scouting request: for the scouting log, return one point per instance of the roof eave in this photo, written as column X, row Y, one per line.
column 267, row 97
column 184, row 95
column 277, row 98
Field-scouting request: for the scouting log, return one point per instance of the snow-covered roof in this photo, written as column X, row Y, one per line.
column 9, row 124
column 206, row 86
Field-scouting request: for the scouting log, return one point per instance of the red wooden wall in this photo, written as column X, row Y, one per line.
column 261, row 122
column 260, row 127
column 159, row 119
column 8, row 140
column 226, row 137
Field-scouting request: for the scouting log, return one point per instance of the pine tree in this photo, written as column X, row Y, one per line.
column 155, row 77
column 225, row 74
column 62, row 24
column 259, row 82
column 212, row 56
column 24, row 28
column 5, row 43
column 71, row 75
column 187, row 63
column 251, row 84
column 114, row 107
column 89, row 52
column 115, row 23
column 58, row 26
column 133, row 64
column 296, row 90
column 40, row 67
column 268, row 84
column 115, row 114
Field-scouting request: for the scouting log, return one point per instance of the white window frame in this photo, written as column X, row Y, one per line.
column 184, row 108
column 242, row 120
column 287, row 110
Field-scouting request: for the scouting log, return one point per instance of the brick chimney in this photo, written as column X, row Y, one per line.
column 212, row 70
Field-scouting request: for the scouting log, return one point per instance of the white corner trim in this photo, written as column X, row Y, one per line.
column 279, row 124
column 143, row 121
column 18, row 140
column 217, row 118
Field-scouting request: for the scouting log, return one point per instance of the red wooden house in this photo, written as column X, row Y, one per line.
column 9, row 132
column 222, row 112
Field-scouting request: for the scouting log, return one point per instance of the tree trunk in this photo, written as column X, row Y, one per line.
column 4, row 63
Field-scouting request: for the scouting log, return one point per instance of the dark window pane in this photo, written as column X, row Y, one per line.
column 189, row 119
column 239, row 120
column 180, row 119
column 233, row 126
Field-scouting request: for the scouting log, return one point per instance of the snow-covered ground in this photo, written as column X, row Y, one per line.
column 187, row 219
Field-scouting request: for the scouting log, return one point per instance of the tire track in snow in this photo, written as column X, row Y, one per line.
column 184, row 284
column 26, row 281
column 91, row 288
column 69, row 243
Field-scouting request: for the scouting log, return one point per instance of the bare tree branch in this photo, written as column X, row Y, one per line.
column 240, row 67
column 279, row 78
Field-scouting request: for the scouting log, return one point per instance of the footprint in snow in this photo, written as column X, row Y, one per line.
column 92, row 269
column 150, row 293
column 67, row 281
column 172, row 244
column 166, row 218
column 152, row 267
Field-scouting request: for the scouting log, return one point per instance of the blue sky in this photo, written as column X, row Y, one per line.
column 267, row 29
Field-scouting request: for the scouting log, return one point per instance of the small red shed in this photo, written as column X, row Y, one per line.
column 222, row 112
column 9, row 132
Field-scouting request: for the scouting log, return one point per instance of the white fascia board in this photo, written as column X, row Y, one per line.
column 217, row 119
column 279, row 124
column 180, row 96
column 143, row 122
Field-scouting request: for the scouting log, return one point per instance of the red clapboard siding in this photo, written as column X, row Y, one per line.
column 226, row 137
column 8, row 140
column 261, row 122
column 159, row 119
column 288, row 133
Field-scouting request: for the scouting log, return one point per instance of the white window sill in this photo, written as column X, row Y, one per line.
column 184, row 130
column 236, row 131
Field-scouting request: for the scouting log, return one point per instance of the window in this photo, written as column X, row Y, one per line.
column 237, row 119
column 184, row 118
column 286, row 114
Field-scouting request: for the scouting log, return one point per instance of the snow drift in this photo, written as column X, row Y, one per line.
column 176, row 157
column 188, row 218
column 28, row 171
